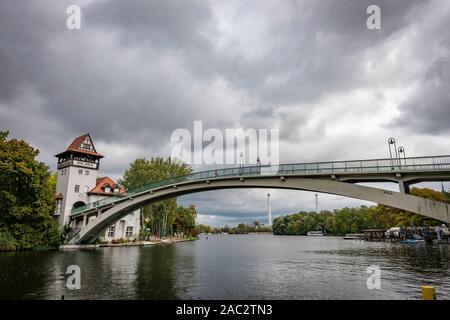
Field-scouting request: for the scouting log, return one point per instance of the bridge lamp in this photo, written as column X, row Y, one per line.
column 401, row 151
column 392, row 143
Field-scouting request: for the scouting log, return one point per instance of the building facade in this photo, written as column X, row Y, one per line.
column 78, row 184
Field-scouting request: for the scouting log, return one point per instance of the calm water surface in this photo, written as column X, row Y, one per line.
column 231, row 267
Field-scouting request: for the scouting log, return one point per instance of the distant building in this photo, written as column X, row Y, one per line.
column 78, row 184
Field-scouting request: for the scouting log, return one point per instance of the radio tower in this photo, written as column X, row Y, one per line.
column 317, row 203
column 269, row 209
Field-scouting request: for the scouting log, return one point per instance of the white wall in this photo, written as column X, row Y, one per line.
column 66, row 185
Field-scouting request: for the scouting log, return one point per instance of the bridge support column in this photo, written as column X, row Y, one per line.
column 84, row 221
column 403, row 186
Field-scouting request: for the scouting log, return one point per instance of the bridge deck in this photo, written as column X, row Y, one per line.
column 425, row 169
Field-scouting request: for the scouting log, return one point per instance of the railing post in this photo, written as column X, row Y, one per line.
column 84, row 221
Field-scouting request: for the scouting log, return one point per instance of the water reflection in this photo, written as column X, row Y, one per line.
column 156, row 274
column 231, row 267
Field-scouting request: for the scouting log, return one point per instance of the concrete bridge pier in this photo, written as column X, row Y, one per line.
column 403, row 187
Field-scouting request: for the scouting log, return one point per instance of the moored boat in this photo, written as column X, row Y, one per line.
column 353, row 236
column 415, row 238
column 315, row 233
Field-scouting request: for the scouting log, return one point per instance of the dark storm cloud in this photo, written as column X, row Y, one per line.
column 311, row 49
column 139, row 69
column 163, row 23
column 428, row 110
column 133, row 88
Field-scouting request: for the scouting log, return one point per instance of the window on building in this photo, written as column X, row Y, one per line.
column 111, row 231
column 86, row 172
column 58, row 207
column 129, row 232
column 116, row 190
column 107, row 189
column 86, row 189
column 77, row 188
column 80, row 171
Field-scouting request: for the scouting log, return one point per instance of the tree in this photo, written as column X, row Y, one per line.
column 160, row 217
column 355, row 220
column 26, row 196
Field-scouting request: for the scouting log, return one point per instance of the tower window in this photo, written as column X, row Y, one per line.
column 77, row 188
column 86, row 172
column 80, row 171
column 86, row 189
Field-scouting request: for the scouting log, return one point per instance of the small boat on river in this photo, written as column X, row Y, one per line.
column 315, row 233
column 353, row 236
column 415, row 238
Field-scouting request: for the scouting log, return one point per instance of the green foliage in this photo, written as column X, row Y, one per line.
column 354, row 220
column 144, row 234
column 26, row 196
column 164, row 217
column 203, row 228
column 7, row 241
column 244, row 229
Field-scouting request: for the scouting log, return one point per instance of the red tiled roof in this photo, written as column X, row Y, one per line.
column 76, row 143
column 102, row 183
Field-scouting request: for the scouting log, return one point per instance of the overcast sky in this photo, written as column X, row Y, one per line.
column 137, row 70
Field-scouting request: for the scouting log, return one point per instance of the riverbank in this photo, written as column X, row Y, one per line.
column 151, row 242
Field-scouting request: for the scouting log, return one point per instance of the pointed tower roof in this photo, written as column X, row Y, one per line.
column 82, row 144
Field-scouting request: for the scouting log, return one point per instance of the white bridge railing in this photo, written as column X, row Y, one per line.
column 412, row 164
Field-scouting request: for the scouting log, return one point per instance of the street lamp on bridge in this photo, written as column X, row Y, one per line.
column 392, row 143
column 401, row 151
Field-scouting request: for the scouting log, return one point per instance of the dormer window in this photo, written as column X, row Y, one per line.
column 116, row 190
column 107, row 189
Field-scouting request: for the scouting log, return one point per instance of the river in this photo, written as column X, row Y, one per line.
column 231, row 267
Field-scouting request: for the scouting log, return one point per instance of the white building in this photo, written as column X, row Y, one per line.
column 78, row 184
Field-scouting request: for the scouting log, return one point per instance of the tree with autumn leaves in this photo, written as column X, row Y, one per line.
column 26, row 198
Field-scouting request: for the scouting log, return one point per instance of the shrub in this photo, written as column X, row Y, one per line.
column 7, row 241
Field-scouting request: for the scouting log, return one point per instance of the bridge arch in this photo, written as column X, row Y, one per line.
column 111, row 213
column 78, row 204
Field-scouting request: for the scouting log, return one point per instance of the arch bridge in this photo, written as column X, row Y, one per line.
column 339, row 178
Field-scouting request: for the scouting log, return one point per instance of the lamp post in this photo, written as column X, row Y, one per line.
column 392, row 143
column 401, row 151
